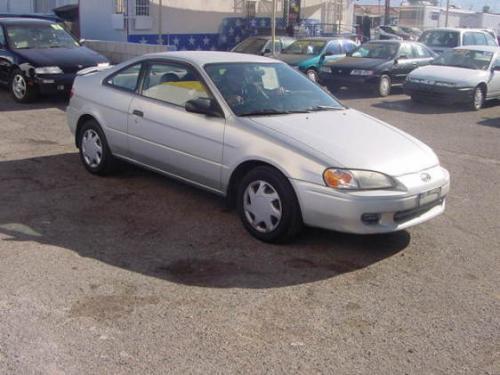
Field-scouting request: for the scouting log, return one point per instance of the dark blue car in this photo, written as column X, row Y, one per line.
column 40, row 57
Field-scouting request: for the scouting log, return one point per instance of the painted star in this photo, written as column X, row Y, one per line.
column 143, row 41
column 176, row 41
column 206, row 41
column 191, row 41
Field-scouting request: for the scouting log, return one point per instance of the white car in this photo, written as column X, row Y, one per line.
column 256, row 131
column 468, row 75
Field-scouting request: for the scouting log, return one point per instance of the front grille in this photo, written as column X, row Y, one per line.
column 402, row 216
column 341, row 72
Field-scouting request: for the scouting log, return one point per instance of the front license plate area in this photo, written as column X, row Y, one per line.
column 429, row 197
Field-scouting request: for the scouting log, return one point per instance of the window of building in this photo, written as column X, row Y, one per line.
column 142, row 8
column 126, row 79
column 119, row 6
column 173, row 84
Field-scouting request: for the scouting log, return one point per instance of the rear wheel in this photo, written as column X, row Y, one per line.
column 21, row 89
column 384, row 86
column 477, row 99
column 94, row 150
column 268, row 206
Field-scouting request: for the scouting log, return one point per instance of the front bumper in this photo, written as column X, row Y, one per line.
column 50, row 84
column 438, row 93
column 347, row 80
column 331, row 209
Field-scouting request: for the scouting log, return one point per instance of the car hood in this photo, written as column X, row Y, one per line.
column 292, row 59
column 351, row 139
column 358, row 63
column 68, row 59
column 450, row 74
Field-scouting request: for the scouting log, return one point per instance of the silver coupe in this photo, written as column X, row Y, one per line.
column 276, row 145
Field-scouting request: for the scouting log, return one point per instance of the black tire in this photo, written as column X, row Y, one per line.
column 26, row 95
column 107, row 162
column 312, row 75
column 384, row 85
column 478, row 97
column 290, row 224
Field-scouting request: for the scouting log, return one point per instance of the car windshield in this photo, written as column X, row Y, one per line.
column 464, row 58
column 384, row 51
column 47, row 35
column 253, row 89
column 440, row 38
column 251, row 45
column 305, row 47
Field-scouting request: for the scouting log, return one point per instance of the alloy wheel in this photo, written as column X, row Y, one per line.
column 19, row 86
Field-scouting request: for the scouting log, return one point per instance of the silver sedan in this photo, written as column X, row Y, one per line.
column 277, row 146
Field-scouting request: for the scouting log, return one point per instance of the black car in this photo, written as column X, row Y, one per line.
column 39, row 57
column 378, row 64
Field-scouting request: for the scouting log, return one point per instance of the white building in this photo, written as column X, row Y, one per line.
column 205, row 24
column 427, row 17
column 32, row 6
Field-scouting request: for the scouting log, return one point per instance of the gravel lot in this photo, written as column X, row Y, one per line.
column 136, row 274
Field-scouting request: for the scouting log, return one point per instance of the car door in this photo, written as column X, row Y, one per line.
column 119, row 89
column 333, row 52
column 404, row 63
column 6, row 59
column 163, row 135
column 494, row 84
column 422, row 55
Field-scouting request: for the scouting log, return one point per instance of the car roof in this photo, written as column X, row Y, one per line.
column 24, row 21
column 481, row 48
column 210, row 57
column 458, row 29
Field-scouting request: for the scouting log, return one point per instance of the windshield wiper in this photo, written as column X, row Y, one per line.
column 268, row 112
column 318, row 108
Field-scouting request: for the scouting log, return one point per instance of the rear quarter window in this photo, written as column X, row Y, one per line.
column 441, row 38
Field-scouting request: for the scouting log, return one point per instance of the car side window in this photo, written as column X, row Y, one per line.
column 334, row 48
column 2, row 38
column 349, row 46
column 126, row 79
column 490, row 40
column 173, row 84
column 468, row 39
column 406, row 50
column 480, row 39
column 420, row 52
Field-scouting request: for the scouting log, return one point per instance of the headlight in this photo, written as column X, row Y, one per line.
column 445, row 84
column 49, row 70
column 103, row 65
column 361, row 72
column 326, row 69
column 346, row 179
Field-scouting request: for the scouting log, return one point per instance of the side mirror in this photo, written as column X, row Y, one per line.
column 204, row 106
column 82, row 41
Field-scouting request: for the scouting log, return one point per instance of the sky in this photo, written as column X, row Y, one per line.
column 465, row 4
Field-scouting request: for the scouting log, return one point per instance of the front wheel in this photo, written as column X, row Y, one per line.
column 477, row 99
column 268, row 206
column 21, row 89
column 384, row 86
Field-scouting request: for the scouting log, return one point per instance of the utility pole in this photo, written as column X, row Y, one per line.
column 387, row 16
column 447, row 11
column 160, row 21
column 273, row 29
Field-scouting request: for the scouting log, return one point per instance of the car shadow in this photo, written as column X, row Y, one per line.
column 145, row 223
column 7, row 103
column 491, row 122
